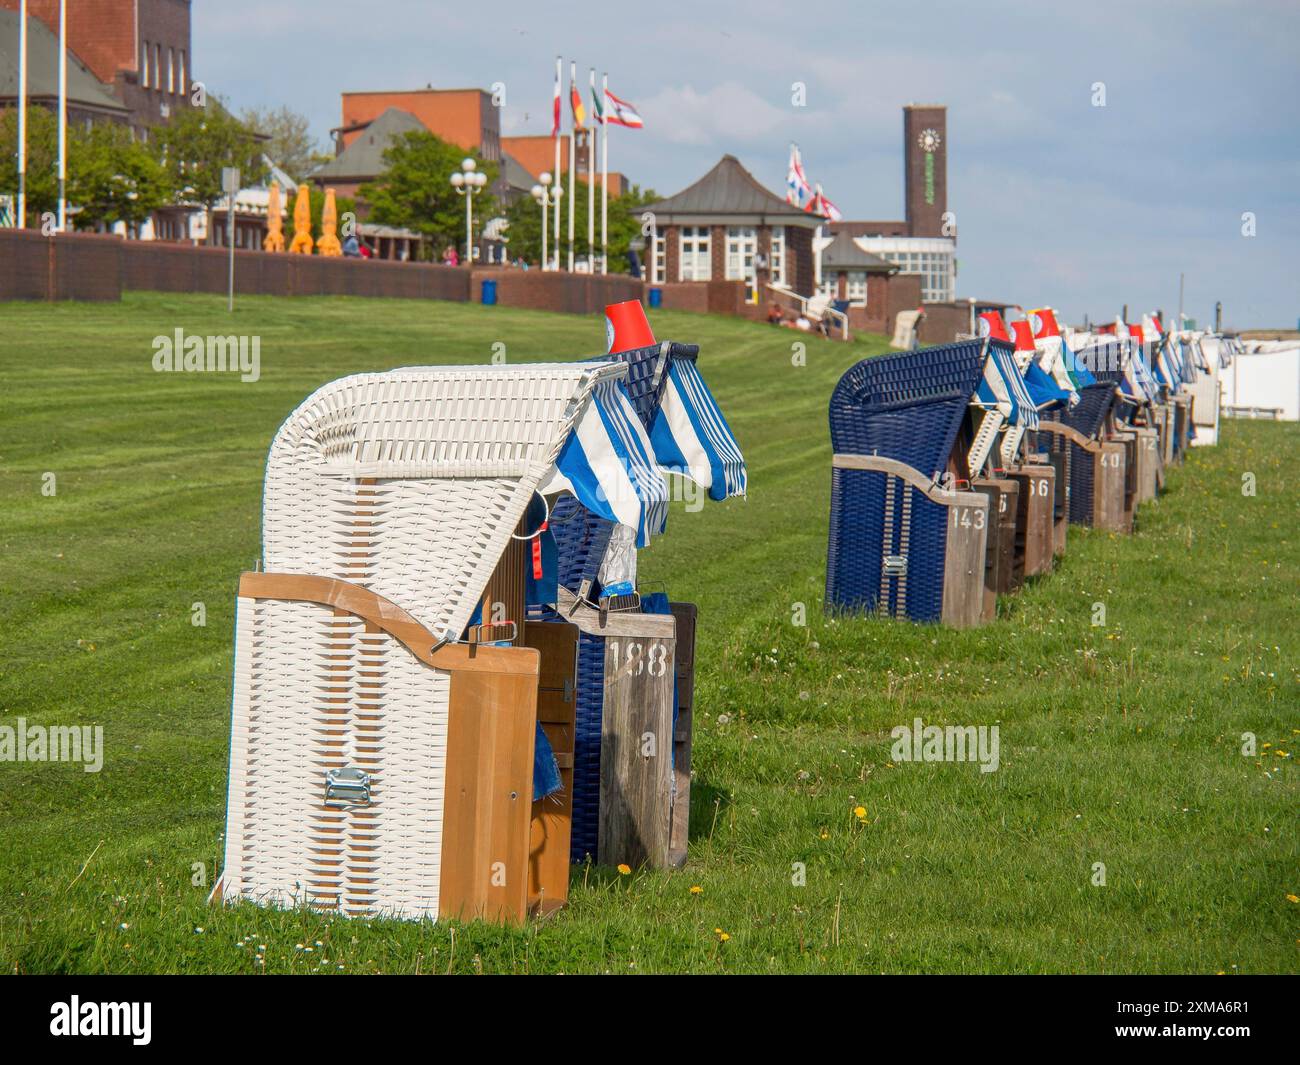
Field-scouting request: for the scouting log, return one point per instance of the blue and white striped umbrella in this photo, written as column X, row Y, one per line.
column 609, row 464
column 692, row 438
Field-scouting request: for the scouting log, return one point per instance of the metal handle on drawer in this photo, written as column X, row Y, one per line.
column 347, row 787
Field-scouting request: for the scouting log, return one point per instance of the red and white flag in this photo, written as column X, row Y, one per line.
column 620, row 113
column 819, row 204
column 555, row 115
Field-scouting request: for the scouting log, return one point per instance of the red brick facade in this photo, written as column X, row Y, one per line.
column 110, row 37
column 464, row 117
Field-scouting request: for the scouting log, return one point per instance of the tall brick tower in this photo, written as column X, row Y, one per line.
column 925, row 168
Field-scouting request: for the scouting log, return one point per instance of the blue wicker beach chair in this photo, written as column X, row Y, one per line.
column 1097, row 467
column 900, row 543
column 598, row 584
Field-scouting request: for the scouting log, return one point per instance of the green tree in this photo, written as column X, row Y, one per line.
column 525, row 232
column 114, row 178
column 291, row 145
column 415, row 190
column 197, row 143
column 42, row 160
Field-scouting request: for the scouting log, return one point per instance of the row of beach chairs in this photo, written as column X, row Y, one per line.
column 957, row 470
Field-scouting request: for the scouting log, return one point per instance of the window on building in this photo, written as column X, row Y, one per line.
column 180, row 75
column 742, row 244
column 778, row 255
column 157, row 67
column 830, row 284
column 171, row 70
column 144, row 65
column 856, row 288
column 659, row 259
column 694, row 262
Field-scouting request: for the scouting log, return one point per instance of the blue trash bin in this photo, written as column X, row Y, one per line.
column 489, row 292
column 656, row 298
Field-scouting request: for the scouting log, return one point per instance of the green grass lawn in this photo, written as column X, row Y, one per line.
column 1120, row 744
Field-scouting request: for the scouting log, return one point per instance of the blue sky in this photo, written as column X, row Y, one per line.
column 1057, row 201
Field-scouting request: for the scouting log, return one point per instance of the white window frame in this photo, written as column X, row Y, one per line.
column 658, row 259
column 144, row 64
column 776, row 255
column 742, row 246
column 694, row 254
column 855, row 287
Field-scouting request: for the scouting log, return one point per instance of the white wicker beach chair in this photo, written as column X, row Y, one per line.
column 377, row 766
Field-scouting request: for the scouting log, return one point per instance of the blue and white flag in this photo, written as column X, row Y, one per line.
column 608, row 464
column 691, row 437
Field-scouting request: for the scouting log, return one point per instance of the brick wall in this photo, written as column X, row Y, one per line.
column 90, row 267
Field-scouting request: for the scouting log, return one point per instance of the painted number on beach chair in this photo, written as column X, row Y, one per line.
column 1039, row 487
column 1111, row 460
column 967, row 517
column 650, row 659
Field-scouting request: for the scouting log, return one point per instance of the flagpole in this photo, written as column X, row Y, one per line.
column 22, row 116
column 559, row 81
column 63, row 115
column 604, row 173
column 573, row 151
column 591, row 184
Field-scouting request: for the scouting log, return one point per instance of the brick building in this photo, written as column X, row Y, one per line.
column 139, row 50
column 924, row 242
column 871, row 290
column 729, row 227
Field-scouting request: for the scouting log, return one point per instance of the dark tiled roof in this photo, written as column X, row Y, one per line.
column 364, row 157
column 843, row 253
column 84, row 89
column 729, row 192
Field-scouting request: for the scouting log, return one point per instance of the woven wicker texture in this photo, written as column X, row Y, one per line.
column 908, row 407
column 410, row 484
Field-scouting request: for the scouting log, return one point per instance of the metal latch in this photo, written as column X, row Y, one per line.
column 895, row 566
column 347, row 787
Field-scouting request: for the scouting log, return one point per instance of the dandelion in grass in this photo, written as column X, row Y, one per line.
column 696, row 889
column 1293, row 898
column 624, row 869
column 722, row 936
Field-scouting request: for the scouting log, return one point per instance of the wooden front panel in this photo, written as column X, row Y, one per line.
column 552, row 815
column 488, row 804
column 1004, row 525
column 1061, row 510
column 636, row 773
column 1035, row 517
column 963, row 574
column 996, row 544
column 679, row 830
column 1148, row 458
column 1108, row 488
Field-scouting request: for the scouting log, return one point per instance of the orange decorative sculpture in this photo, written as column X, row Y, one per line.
column 302, row 242
column 274, row 240
column 329, row 221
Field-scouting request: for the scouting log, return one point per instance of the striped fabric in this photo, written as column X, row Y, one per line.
column 692, row 438
column 1051, row 359
column 1003, row 389
column 608, row 464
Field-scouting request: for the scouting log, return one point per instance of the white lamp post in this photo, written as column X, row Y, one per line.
column 469, row 182
column 548, row 197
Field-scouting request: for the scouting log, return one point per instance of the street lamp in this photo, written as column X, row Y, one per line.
column 469, row 182
column 548, row 197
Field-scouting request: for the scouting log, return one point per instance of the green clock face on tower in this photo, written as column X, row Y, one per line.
column 929, row 140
